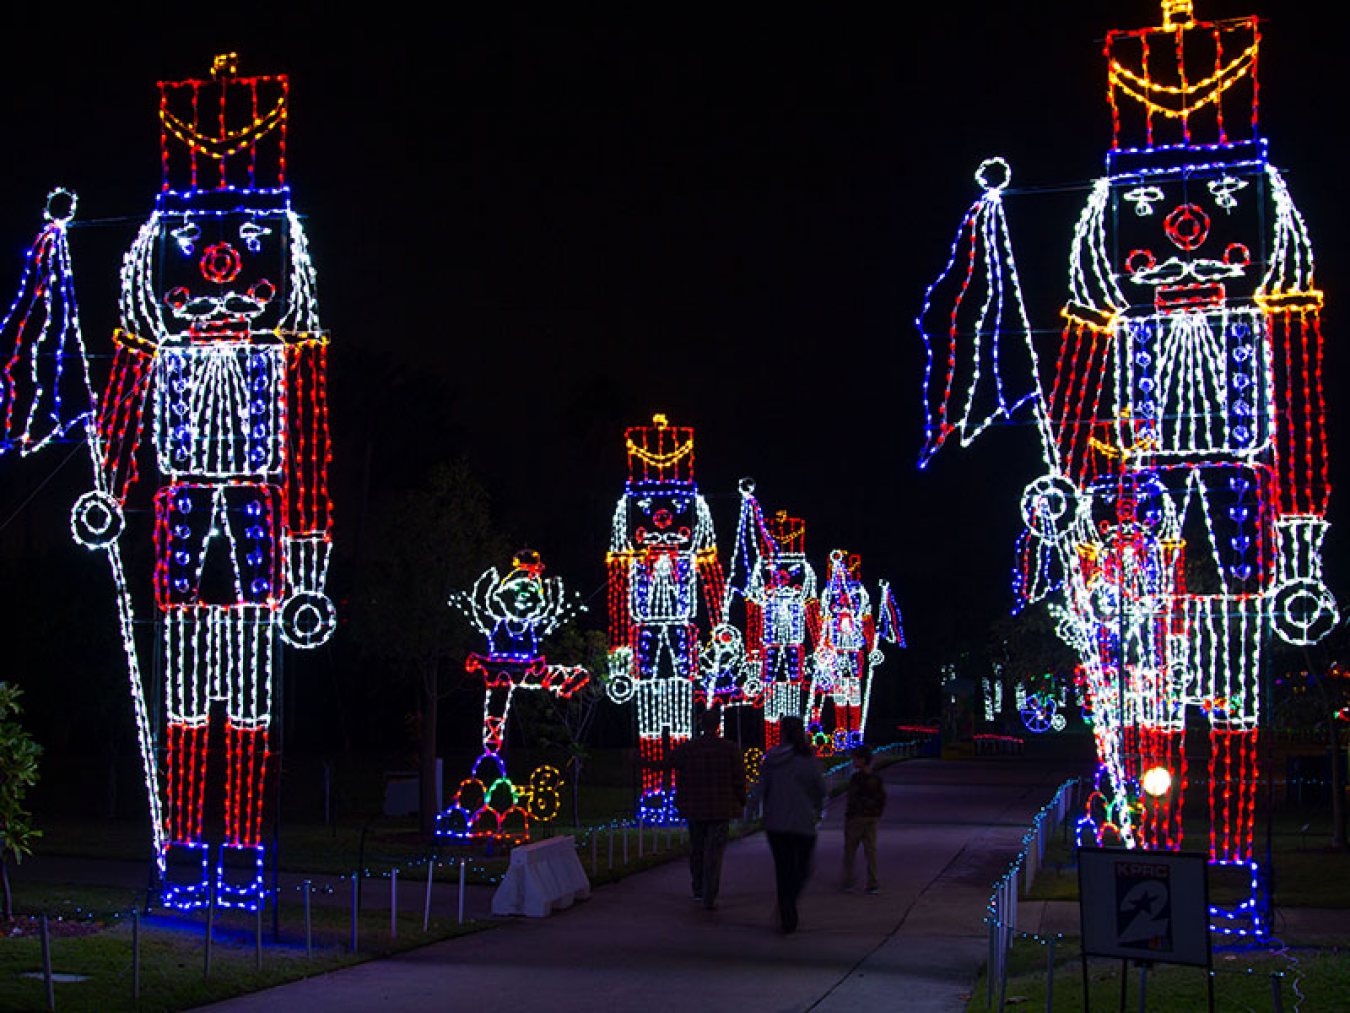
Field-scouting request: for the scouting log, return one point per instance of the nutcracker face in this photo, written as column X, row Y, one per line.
column 841, row 607
column 222, row 274
column 662, row 517
column 1189, row 241
column 788, row 577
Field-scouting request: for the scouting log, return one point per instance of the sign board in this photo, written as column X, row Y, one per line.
column 1144, row 905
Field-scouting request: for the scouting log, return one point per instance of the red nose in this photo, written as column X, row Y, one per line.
column 220, row 263
column 662, row 519
column 1187, row 226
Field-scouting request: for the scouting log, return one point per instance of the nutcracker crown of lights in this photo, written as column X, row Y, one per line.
column 660, row 453
column 1182, row 85
column 221, row 135
column 788, row 533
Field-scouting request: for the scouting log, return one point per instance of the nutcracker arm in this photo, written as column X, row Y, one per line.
column 308, row 616
column 121, row 413
column 1303, row 608
column 97, row 519
column 620, row 685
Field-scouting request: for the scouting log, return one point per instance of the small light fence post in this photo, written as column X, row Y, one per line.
column 306, row 888
column 426, row 904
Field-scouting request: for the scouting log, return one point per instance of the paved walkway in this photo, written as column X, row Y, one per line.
column 950, row 831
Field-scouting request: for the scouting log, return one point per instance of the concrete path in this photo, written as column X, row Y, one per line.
column 950, row 831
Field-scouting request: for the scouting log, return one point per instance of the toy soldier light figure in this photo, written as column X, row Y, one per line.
column 783, row 610
column 220, row 339
column 1195, row 312
column 514, row 613
column 1186, row 488
column 662, row 555
column 846, row 642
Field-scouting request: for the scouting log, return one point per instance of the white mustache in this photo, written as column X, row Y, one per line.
column 226, row 307
column 1171, row 271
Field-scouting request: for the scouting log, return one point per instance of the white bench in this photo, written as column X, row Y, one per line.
column 543, row 877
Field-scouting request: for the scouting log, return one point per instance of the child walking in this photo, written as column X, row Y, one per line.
column 866, row 801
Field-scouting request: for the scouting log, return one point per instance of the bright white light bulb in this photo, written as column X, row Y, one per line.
column 1157, row 781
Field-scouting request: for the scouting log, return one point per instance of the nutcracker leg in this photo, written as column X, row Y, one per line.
column 243, row 641
column 1161, row 824
column 187, row 880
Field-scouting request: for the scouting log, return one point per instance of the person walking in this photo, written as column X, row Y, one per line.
column 865, row 804
column 792, row 791
column 710, row 793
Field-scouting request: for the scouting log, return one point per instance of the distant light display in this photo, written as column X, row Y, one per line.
column 513, row 613
column 662, row 557
column 1040, row 704
column 220, row 341
column 1181, row 517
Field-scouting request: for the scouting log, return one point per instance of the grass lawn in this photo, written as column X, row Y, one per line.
column 173, row 953
column 1308, row 873
column 1318, row 979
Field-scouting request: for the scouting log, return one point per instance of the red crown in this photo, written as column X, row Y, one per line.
column 660, row 452
column 788, row 532
column 1185, row 82
column 224, row 132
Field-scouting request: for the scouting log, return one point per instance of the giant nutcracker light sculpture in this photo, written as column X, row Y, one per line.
column 221, row 353
column 662, row 556
column 1181, row 517
column 513, row 613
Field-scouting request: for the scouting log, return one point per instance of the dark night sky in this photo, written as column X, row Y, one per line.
column 533, row 231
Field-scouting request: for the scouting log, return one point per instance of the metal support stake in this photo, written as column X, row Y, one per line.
column 210, row 921
column 393, row 903
column 356, row 903
column 257, row 938
column 595, row 848
column 1050, row 975
column 47, row 963
column 462, row 869
column 309, row 924
column 426, row 905
column 1276, row 992
column 993, row 961
column 135, row 954
column 610, row 834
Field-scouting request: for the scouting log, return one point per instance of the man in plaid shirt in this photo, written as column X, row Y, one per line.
column 710, row 793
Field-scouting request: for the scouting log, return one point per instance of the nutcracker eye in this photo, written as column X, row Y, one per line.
column 251, row 233
column 186, row 236
column 1224, row 189
column 1143, row 198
